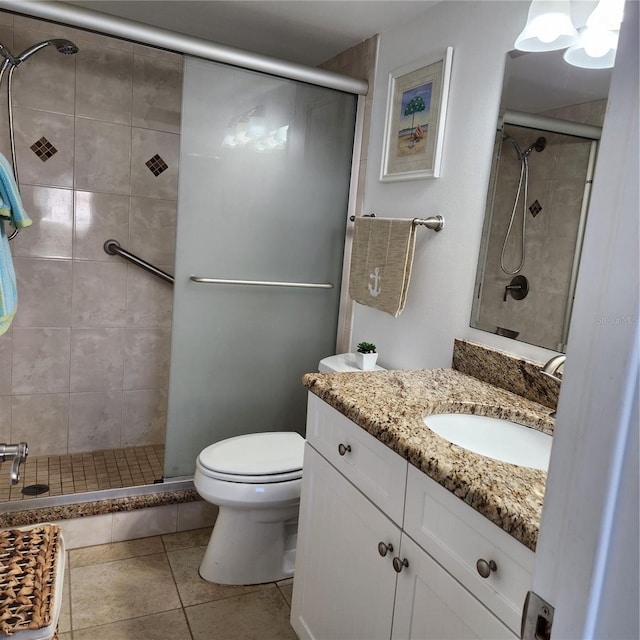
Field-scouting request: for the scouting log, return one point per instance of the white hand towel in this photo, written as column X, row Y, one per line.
column 381, row 260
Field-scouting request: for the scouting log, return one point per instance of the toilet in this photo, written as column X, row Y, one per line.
column 255, row 480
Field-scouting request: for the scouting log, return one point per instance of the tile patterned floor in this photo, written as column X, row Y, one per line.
column 149, row 589
column 80, row 472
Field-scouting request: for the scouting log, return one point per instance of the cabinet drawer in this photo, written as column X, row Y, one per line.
column 457, row 537
column 371, row 466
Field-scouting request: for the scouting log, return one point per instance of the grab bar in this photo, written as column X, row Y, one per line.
column 112, row 247
column 264, row 283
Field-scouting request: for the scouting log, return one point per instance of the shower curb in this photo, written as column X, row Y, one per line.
column 81, row 505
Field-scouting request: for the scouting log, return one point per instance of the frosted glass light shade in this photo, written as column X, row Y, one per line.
column 607, row 15
column 596, row 49
column 548, row 27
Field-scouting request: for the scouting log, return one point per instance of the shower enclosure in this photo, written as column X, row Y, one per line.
column 264, row 169
column 262, row 210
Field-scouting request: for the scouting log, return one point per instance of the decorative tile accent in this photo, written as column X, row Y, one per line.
column 157, row 165
column 146, row 144
column 43, row 149
column 32, row 126
column 535, row 208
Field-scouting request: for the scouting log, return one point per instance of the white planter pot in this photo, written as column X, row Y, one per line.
column 366, row 361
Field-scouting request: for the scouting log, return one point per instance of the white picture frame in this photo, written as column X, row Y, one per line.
column 417, row 101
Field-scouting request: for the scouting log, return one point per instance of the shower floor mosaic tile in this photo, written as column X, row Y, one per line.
column 81, row 472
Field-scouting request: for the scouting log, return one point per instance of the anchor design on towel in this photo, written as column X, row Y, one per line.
column 376, row 289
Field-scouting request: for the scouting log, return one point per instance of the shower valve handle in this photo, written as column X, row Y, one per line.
column 519, row 288
column 510, row 287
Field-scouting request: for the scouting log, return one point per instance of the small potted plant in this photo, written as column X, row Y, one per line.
column 366, row 356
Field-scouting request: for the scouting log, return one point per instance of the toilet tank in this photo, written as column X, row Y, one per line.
column 341, row 362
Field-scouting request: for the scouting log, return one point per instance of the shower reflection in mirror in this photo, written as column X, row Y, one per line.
column 543, row 157
column 536, row 211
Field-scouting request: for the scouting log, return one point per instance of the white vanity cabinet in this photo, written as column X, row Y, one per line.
column 364, row 512
column 344, row 589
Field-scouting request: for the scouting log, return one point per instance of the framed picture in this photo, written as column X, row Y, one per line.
column 415, row 122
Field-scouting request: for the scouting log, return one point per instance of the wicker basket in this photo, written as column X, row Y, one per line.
column 31, row 577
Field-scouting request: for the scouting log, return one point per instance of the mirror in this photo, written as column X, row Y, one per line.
column 545, row 149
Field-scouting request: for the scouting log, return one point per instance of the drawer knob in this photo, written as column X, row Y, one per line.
column 398, row 564
column 383, row 548
column 342, row 449
column 485, row 568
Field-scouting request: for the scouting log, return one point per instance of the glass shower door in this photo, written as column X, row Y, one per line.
column 264, row 184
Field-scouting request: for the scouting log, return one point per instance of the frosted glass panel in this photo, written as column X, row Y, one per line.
column 264, row 179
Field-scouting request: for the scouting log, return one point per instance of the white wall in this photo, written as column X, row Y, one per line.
column 440, row 295
column 589, row 526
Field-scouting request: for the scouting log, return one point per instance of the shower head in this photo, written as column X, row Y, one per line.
column 65, row 47
column 538, row 146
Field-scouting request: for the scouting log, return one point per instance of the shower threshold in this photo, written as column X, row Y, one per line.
column 87, row 478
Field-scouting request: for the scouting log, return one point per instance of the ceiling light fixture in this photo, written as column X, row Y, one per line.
column 548, row 27
column 596, row 49
column 593, row 46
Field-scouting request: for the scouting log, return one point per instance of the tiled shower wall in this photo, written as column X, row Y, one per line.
column 84, row 365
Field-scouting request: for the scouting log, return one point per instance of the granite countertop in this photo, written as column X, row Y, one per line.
column 390, row 405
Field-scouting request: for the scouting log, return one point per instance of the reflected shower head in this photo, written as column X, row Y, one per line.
column 65, row 47
column 538, row 145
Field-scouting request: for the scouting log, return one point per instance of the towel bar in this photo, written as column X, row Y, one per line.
column 112, row 247
column 263, row 283
column 436, row 223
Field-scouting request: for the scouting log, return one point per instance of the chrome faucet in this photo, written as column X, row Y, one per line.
column 18, row 454
column 551, row 367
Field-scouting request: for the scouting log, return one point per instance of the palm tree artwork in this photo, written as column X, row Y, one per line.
column 415, row 105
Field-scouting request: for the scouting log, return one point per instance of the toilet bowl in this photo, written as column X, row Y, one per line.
column 255, row 480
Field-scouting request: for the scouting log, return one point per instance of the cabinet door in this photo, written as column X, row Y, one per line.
column 432, row 605
column 343, row 588
column 457, row 536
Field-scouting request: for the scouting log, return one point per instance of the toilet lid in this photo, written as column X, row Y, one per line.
column 256, row 454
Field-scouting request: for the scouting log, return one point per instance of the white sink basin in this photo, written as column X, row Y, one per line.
column 494, row 438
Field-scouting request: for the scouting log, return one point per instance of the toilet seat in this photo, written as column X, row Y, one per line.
column 235, row 477
column 254, row 458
